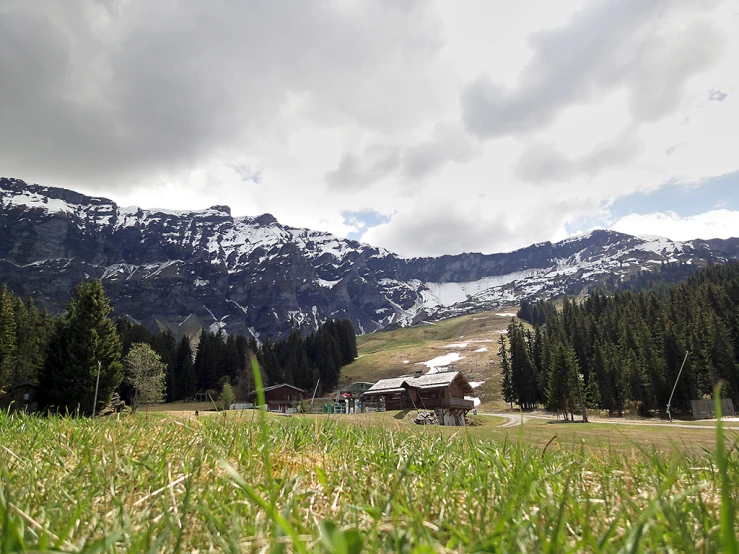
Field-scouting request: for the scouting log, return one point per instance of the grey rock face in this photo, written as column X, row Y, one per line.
column 252, row 275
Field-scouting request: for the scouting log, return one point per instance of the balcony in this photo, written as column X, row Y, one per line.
column 432, row 403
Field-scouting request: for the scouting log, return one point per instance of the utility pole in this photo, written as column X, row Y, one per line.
column 314, row 392
column 669, row 402
column 582, row 402
column 97, row 384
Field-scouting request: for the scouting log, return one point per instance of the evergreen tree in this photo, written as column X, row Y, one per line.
column 165, row 345
column 32, row 334
column 509, row 394
column 83, row 340
column 185, row 370
column 7, row 336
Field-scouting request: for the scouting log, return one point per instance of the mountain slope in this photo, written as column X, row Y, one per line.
column 252, row 275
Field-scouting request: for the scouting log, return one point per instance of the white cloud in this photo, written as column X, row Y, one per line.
column 472, row 126
column 716, row 224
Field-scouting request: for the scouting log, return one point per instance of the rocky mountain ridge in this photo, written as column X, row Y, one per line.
column 252, row 275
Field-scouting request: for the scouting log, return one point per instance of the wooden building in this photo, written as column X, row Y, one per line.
column 19, row 397
column 442, row 392
column 282, row 398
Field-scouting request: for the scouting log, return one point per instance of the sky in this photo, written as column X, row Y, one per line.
column 426, row 127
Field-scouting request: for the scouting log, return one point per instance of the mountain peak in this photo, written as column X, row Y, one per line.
column 253, row 276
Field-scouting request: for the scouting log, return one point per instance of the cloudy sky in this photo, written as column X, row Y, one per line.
column 427, row 127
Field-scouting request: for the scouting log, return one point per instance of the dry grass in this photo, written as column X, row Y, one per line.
column 382, row 355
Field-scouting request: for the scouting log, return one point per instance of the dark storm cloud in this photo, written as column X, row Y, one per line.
column 607, row 45
column 106, row 92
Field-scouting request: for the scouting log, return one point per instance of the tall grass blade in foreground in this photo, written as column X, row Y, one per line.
column 728, row 511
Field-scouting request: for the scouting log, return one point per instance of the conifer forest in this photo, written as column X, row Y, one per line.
column 64, row 354
column 623, row 352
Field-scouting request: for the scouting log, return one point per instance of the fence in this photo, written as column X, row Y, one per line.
column 705, row 409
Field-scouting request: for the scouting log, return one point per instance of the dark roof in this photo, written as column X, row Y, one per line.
column 423, row 382
column 274, row 387
column 17, row 386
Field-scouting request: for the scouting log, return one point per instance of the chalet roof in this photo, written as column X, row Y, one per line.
column 275, row 387
column 427, row 381
column 7, row 389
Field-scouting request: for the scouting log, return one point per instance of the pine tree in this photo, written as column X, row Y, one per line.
column 509, row 394
column 523, row 374
column 165, row 345
column 592, row 394
column 7, row 336
column 83, row 338
column 557, row 383
column 32, row 334
column 185, row 370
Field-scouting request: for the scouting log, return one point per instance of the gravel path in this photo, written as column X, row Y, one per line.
column 514, row 420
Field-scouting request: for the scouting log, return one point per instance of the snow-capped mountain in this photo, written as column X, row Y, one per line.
column 252, row 275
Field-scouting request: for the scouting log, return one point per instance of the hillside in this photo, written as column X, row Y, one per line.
column 467, row 343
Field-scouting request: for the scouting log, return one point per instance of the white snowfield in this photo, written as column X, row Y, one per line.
column 441, row 362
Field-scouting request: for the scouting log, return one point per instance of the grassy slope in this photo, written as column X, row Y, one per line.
column 175, row 484
column 381, row 355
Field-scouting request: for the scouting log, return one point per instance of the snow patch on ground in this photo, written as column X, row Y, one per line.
column 327, row 284
column 447, row 294
column 506, row 314
column 483, row 349
column 473, row 399
column 406, row 362
column 476, row 384
column 439, row 362
column 456, row 345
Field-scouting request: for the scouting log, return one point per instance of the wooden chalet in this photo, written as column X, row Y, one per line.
column 19, row 397
column 442, row 392
column 282, row 398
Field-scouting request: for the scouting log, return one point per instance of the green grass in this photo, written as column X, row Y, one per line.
column 235, row 483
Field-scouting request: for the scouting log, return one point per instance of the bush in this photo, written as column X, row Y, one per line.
column 227, row 397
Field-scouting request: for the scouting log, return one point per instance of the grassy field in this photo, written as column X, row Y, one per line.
column 383, row 355
column 347, row 484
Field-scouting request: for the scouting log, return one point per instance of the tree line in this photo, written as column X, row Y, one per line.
column 64, row 354
column 623, row 352
column 24, row 331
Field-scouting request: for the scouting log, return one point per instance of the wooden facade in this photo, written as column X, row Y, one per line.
column 441, row 392
column 281, row 398
column 19, row 397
